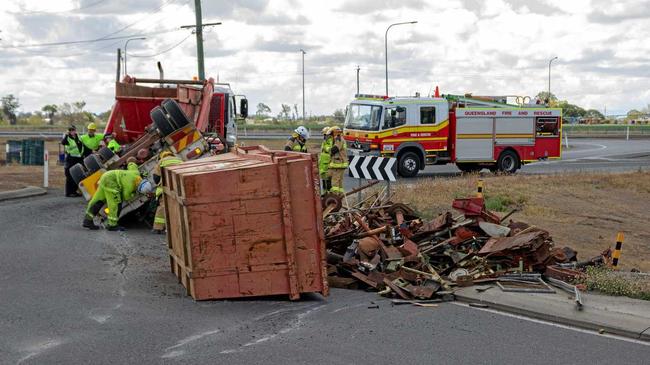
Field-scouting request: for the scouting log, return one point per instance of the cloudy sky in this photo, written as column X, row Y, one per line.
column 492, row 47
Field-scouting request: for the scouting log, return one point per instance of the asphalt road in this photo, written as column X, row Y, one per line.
column 68, row 295
column 586, row 155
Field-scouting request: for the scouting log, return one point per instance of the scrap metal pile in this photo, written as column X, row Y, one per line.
column 386, row 246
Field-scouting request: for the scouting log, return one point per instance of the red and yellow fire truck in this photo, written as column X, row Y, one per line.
column 472, row 132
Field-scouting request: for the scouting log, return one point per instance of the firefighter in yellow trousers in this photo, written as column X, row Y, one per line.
column 115, row 187
column 165, row 159
column 324, row 159
column 339, row 160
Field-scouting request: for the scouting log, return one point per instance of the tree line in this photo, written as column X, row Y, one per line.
column 51, row 114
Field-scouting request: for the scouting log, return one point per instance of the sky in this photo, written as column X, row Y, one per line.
column 491, row 47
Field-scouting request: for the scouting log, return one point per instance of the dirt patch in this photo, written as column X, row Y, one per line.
column 581, row 210
column 16, row 176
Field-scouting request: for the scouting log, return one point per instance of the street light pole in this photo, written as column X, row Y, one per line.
column 386, row 47
column 125, row 45
column 549, row 79
column 303, row 84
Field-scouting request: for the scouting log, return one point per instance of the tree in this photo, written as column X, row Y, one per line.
column 339, row 116
column 286, row 110
column 78, row 106
column 10, row 105
column 262, row 109
column 595, row 114
column 570, row 110
column 544, row 96
column 295, row 108
column 50, row 110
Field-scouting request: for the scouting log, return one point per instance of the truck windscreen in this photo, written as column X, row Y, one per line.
column 363, row 117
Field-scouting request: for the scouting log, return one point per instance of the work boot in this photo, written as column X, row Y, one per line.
column 88, row 223
column 158, row 231
column 115, row 228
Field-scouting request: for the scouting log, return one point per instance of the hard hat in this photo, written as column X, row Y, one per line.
column 302, row 132
column 145, row 187
column 92, row 127
column 326, row 130
column 165, row 153
column 335, row 130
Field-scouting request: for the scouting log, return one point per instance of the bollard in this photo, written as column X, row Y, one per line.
column 617, row 250
column 46, row 162
column 479, row 188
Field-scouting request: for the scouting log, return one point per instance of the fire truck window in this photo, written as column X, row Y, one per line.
column 547, row 127
column 428, row 115
column 394, row 117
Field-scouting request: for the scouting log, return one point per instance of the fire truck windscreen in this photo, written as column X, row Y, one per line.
column 363, row 117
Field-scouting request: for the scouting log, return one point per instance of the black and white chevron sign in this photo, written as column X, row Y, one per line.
column 373, row 168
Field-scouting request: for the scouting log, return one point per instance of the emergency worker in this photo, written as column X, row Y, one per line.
column 74, row 152
column 324, row 159
column 165, row 159
column 111, row 143
column 298, row 140
column 115, row 187
column 339, row 160
column 91, row 140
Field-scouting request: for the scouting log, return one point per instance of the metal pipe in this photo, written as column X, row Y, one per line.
column 549, row 79
column 125, row 45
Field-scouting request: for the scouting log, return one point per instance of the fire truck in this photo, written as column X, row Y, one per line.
column 471, row 132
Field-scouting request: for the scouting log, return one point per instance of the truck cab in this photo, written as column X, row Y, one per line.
column 415, row 130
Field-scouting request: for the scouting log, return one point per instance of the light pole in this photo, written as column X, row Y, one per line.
column 303, row 84
column 386, row 47
column 549, row 79
column 126, row 44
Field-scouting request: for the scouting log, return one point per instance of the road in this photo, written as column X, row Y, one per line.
column 587, row 155
column 69, row 295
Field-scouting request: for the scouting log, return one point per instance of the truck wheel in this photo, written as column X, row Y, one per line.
column 162, row 122
column 78, row 173
column 408, row 164
column 508, row 162
column 92, row 163
column 176, row 114
column 105, row 153
column 469, row 167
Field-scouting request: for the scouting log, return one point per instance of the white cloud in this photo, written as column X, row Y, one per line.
column 485, row 47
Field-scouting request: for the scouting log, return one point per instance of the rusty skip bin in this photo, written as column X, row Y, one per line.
column 246, row 223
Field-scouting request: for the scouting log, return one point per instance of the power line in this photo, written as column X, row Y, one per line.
column 65, row 43
column 165, row 51
column 60, row 11
column 168, row 2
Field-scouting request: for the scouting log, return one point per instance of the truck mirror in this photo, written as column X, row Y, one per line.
column 243, row 107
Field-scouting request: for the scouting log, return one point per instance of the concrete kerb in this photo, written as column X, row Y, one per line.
column 558, row 308
column 22, row 193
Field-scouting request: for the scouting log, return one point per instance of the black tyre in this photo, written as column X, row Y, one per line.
column 508, row 162
column 469, row 167
column 105, row 153
column 176, row 114
column 162, row 122
column 92, row 163
column 408, row 164
column 78, row 173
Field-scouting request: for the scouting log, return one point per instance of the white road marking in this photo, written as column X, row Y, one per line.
column 534, row 320
column 39, row 348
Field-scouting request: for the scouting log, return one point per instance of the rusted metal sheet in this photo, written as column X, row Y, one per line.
column 246, row 223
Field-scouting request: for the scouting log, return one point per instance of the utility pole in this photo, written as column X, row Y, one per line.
column 358, row 79
column 386, row 47
column 303, row 84
column 199, row 37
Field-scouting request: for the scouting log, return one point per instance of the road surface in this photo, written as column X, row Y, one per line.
column 69, row 295
column 609, row 155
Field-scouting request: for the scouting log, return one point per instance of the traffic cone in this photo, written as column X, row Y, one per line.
column 437, row 94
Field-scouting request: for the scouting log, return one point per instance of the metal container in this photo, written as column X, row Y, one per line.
column 246, row 223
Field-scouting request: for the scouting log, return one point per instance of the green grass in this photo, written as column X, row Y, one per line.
column 503, row 202
column 612, row 282
column 606, row 128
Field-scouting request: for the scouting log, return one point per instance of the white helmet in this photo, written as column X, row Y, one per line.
column 145, row 187
column 302, row 131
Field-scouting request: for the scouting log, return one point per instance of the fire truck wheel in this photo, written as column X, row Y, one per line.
column 508, row 162
column 105, row 153
column 92, row 163
column 162, row 122
column 176, row 114
column 408, row 164
column 469, row 167
column 78, row 173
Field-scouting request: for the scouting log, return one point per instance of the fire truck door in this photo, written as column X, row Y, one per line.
column 474, row 139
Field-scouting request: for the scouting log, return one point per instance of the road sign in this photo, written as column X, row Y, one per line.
column 373, row 168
